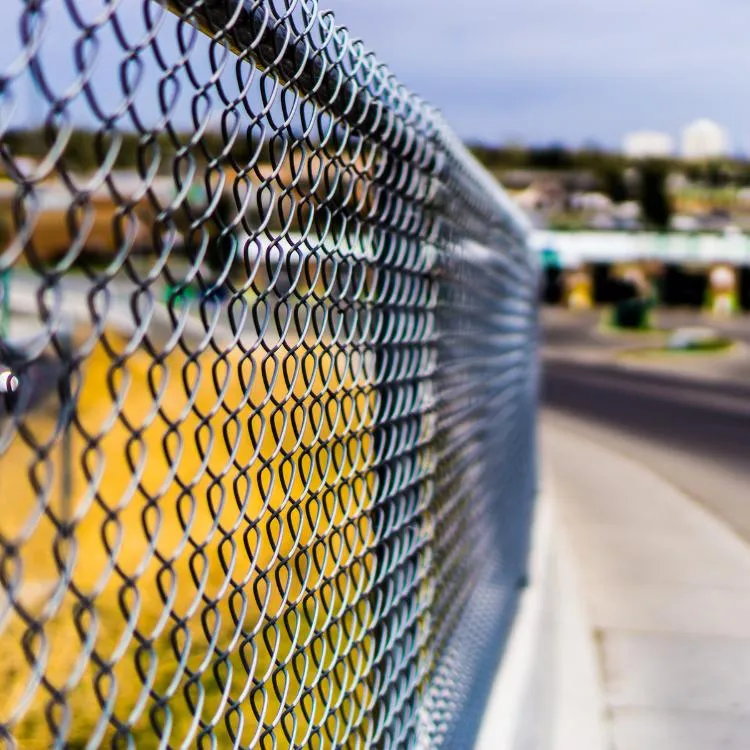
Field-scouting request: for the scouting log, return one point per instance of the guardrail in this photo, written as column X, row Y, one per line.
column 268, row 464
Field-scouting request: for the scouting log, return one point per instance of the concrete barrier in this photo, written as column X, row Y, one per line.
column 547, row 694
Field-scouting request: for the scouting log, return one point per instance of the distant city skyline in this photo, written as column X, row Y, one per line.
column 647, row 143
column 700, row 139
column 705, row 139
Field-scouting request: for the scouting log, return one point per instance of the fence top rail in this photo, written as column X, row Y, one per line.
column 304, row 48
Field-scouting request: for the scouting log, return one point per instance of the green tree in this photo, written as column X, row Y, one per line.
column 79, row 154
column 555, row 156
column 220, row 245
column 654, row 199
column 613, row 183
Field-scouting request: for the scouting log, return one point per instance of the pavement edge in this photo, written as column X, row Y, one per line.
column 547, row 694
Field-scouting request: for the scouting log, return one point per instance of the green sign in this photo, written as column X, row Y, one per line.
column 550, row 258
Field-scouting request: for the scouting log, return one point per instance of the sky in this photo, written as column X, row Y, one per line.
column 566, row 70
column 531, row 71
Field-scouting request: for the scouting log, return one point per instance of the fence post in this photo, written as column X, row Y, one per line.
column 380, row 446
column 4, row 302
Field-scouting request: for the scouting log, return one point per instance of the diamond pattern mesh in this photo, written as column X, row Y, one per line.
column 266, row 478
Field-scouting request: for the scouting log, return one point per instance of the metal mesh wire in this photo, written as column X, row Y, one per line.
column 266, row 479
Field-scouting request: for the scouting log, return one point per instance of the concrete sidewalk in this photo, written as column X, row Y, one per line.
column 666, row 590
column 580, row 337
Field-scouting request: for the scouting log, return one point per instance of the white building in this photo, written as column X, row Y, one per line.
column 645, row 144
column 704, row 139
column 591, row 202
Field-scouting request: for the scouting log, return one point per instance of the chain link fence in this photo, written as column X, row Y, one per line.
column 268, row 353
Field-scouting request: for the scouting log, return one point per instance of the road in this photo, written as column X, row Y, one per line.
column 651, row 473
column 694, row 434
column 580, row 328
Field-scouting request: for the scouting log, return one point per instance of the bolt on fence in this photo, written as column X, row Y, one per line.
column 268, row 367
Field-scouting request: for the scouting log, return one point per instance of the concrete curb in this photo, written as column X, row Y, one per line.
column 547, row 693
column 664, row 365
column 580, row 702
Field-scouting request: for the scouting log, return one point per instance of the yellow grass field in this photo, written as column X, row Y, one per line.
column 238, row 480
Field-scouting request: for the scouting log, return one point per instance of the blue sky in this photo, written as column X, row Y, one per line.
column 528, row 70
column 541, row 70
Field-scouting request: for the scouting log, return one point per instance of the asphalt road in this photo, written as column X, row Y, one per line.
column 579, row 328
column 694, row 434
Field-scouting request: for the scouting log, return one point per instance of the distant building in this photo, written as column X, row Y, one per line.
column 592, row 201
column 542, row 196
column 646, row 144
column 677, row 182
column 685, row 223
column 704, row 139
column 628, row 212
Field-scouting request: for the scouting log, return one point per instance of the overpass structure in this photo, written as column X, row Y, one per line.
column 675, row 269
column 572, row 249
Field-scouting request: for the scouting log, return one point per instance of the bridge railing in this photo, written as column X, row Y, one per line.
column 267, row 453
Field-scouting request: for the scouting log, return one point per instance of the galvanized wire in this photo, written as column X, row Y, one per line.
column 268, row 468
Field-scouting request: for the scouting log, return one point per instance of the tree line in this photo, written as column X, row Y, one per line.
column 718, row 173
column 618, row 176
